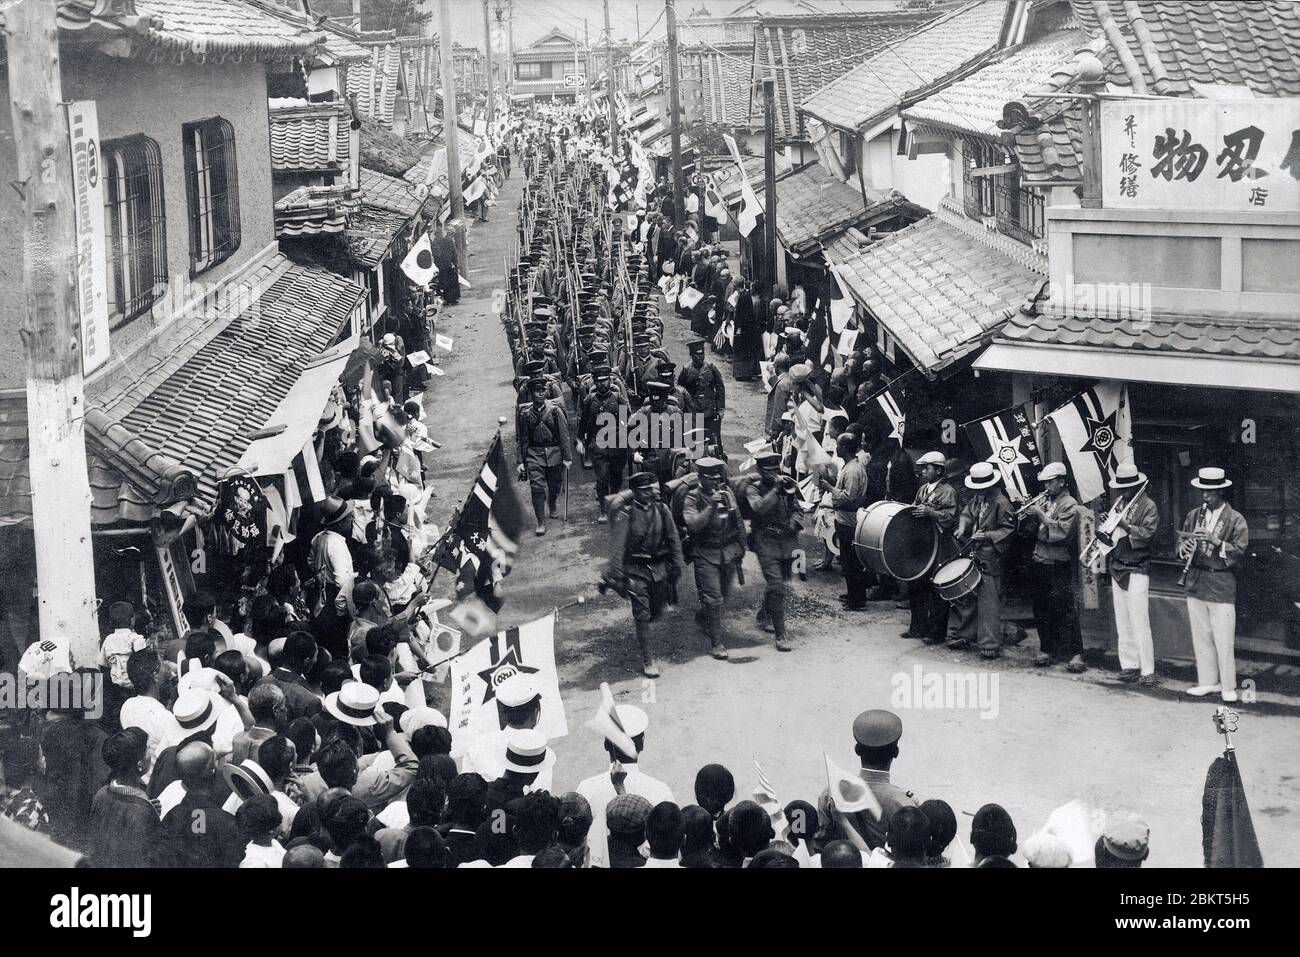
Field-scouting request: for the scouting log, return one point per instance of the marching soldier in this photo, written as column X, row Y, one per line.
column 935, row 500
column 1055, row 615
column 986, row 522
column 774, row 535
column 645, row 560
column 651, row 429
column 709, row 393
column 1213, row 541
column 712, row 516
column 600, row 407
column 545, row 454
column 1129, row 568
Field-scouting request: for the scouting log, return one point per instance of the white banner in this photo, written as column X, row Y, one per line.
column 92, row 256
column 528, row 649
column 1182, row 153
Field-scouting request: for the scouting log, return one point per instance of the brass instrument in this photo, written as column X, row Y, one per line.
column 1191, row 555
column 1108, row 534
column 1036, row 500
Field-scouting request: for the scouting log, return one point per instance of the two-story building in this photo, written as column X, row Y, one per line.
column 217, row 341
column 551, row 68
column 1174, row 233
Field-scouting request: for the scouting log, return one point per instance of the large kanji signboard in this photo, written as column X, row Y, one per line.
column 1201, row 154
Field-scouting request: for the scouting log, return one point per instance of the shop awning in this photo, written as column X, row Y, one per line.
column 938, row 287
column 291, row 425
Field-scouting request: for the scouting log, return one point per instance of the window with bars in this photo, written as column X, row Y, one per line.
column 136, row 226
column 1017, row 210
column 529, row 71
column 212, row 185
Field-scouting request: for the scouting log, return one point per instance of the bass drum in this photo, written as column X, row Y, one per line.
column 891, row 541
column 957, row 579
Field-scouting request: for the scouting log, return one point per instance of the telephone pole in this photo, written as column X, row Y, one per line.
column 610, row 87
column 769, row 181
column 586, row 59
column 487, row 51
column 450, row 130
column 52, row 335
column 675, row 115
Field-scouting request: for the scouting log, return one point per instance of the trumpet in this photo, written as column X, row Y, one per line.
column 1036, row 500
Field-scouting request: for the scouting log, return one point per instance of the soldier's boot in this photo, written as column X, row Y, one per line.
column 712, row 621
column 764, row 616
column 603, row 517
column 539, row 510
column 778, row 623
column 648, row 666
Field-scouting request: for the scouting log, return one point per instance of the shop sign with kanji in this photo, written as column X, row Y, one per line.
column 1239, row 155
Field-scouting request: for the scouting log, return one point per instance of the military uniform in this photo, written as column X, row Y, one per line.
column 645, row 561
column 543, row 433
column 709, row 393
column 651, row 430
column 717, row 547
column 609, row 459
column 774, row 535
column 876, row 729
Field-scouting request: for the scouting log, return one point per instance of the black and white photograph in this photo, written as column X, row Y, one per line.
column 667, row 434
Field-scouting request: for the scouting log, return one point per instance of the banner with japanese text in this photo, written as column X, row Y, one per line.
column 1180, row 153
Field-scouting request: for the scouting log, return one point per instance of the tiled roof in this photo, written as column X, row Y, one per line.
column 201, row 408
column 812, row 206
column 893, row 76
column 310, row 136
column 974, row 104
column 715, row 32
column 167, row 419
column 937, row 289
column 724, row 84
column 371, row 231
column 804, row 53
column 389, row 192
column 1255, row 44
column 312, row 210
column 374, row 83
column 1196, row 335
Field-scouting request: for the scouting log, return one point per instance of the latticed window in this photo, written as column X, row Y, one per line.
column 212, row 185
column 136, row 226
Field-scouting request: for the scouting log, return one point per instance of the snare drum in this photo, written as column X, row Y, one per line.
column 957, row 579
column 891, row 541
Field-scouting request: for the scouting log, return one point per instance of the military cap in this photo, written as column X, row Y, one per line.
column 627, row 814
column 538, row 380
column 695, row 345
column 641, row 480
column 877, row 728
column 641, row 339
column 767, row 459
column 601, row 371
column 534, row 367
column 710, row 466
column 657, row 388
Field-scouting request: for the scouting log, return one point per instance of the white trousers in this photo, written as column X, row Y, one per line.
column 1133, row 624
column 1214, row 633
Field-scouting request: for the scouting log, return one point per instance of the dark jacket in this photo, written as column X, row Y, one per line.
column 125, row 828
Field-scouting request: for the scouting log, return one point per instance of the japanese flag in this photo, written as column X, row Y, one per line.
column 418, row 264
column 713, row 204
column 749, row 211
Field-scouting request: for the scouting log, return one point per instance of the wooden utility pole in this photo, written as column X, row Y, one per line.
column 769, row 181
column 487, row 51
column 450, row 129
column 51, row 333
column 510, row 34
column 675, row 117
column 610, row 86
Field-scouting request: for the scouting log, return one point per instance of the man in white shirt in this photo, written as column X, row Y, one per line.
column 623, row 777
column 119, row 643
column 519, row 706
column 145, row 711
column 332, row 562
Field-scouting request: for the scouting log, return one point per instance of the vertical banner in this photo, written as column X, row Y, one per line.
column 475, row 675
column 92, row 258
column 174, row 566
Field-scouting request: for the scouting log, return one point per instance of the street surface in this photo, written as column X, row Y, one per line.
column 1033, row 741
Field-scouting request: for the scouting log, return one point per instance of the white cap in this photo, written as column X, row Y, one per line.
column 417, row 718
column 516, row 690
column 632, row 718
column 933, row 458
column 1052, row 470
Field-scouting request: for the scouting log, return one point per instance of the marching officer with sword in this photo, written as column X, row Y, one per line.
column 545, row 455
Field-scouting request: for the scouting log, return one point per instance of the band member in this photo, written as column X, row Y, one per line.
column 1129, row 567
column 774, row 534
column 986, row 523
column 1214, row 540
column 712, row 516
column 935, row 500
column 600, row 408
column 544, row 451
column 848, row 494
column 1055, row 614
column 709, row 393
column 645, row 560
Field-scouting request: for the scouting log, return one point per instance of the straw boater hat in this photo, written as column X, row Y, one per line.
column 527, row 752
column 1127, row 476
column 247, row 779
column 1212, row 479
column 334, row 511
column 354, row 703
column 417, row 718
column 982, row 475
column 194, row 712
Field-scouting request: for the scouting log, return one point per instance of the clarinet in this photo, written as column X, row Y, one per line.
column 1187, row 567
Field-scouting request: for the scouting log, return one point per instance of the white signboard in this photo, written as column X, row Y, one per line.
column 1176, row 153
column 92, row 257
column 575, row 79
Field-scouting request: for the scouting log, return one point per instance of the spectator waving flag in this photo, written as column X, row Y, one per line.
column 1096, row 432
column 485, row 537
column 1007, row 440
column 893, row 415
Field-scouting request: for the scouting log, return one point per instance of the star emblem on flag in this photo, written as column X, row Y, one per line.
column 1101, row 437
column 1007, row 455
column 508, row 666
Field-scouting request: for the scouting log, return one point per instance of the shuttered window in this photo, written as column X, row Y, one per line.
column 136, row 226
column 212, row 187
